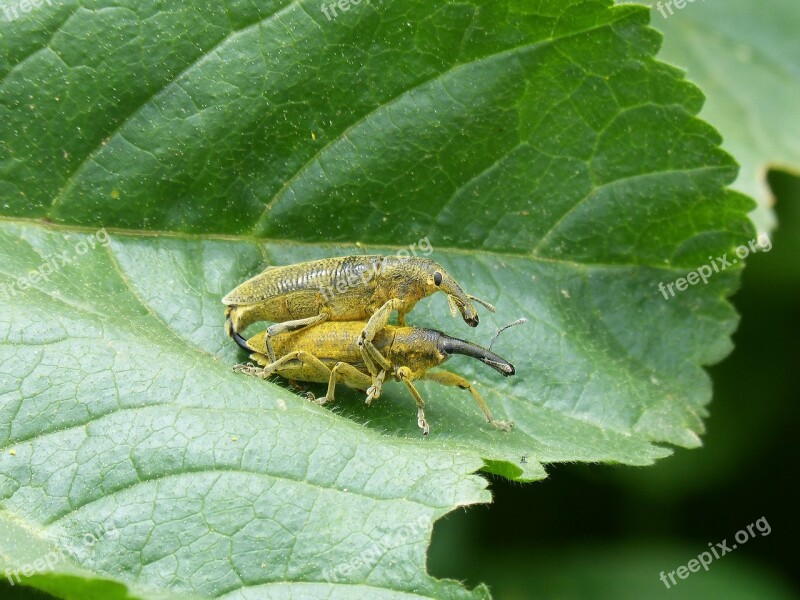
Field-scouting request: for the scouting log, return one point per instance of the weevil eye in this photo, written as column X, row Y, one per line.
column 437, row 278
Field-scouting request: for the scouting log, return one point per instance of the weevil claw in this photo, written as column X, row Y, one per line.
column 374, row 391
column 502, row 425
column 422, row 423
column 247, row 369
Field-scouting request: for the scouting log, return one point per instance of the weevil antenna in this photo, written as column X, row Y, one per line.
column 486, row 305
column 502, row 329
column 451, row 302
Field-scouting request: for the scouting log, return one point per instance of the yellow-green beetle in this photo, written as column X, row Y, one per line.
column 348, row 288
column 330, row 353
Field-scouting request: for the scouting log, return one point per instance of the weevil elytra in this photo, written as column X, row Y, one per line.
column 330, row 353
column 348, row 288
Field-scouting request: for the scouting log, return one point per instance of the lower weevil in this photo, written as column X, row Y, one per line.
column 330, row 353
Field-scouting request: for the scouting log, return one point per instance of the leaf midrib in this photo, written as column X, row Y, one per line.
column 105, row 493
column 260, row 242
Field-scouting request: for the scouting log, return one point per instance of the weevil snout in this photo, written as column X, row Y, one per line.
column 459, row 301
column 449, row 345
column 457, row 298
column 237, row 337
column 467, row 309
column 469, row 314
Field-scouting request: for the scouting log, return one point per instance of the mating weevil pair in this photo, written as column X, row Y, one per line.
column 331, row 325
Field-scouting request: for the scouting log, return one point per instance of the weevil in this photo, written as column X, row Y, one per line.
column 330, row 353
column 348, row 288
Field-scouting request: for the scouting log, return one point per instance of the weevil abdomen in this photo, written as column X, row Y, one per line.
column 302, row 290
column 328, row 274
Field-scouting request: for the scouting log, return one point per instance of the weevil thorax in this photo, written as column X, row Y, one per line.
column 414, row 278
column 405, row 278
column 415, row 348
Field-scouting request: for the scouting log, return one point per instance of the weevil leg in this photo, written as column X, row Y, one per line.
column 369, row 363
column 404, row 375
column 347, row 374
column 247, row 369
column 374, row 391
column 378, row 375
column 288, row 327
column 313, row 370
column 445, row 378
column 269, row 368
column 376, row 322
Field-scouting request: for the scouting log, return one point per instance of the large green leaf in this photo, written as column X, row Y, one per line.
column 556, row 168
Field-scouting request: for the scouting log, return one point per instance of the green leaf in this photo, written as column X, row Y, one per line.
column 35, row 560
column 555, row 167
column 745, row 56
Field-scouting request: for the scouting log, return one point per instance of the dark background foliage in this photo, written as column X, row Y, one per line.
column 597, row 531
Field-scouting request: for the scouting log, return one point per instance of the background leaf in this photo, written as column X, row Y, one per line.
column 599, row 516
column 556, row 168
column 745, row 57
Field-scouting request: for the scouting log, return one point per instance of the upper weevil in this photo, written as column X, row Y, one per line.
column 348, row 288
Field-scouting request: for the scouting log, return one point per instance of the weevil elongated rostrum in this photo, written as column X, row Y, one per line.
column 330, row 353
column 348, row 288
